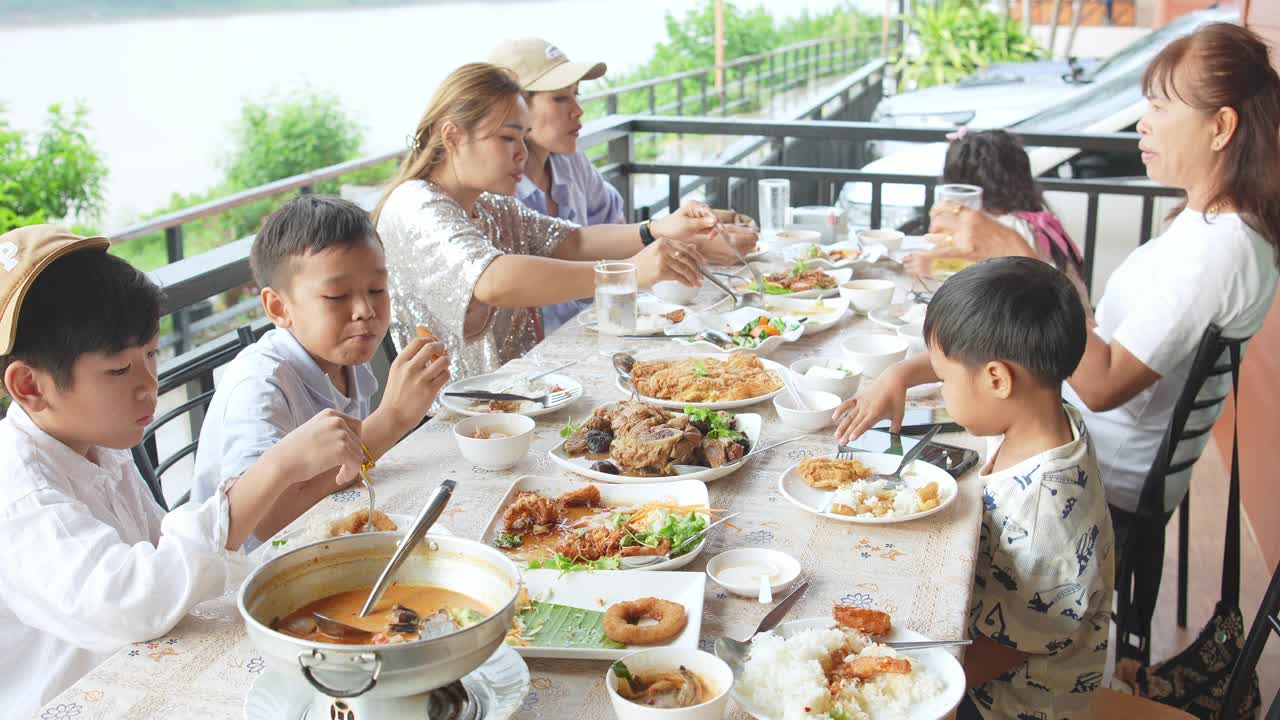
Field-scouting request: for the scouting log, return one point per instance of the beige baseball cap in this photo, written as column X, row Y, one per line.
column 24, row 254
column 541, row 66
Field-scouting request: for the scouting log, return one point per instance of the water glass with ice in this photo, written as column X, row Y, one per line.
column 616, row 290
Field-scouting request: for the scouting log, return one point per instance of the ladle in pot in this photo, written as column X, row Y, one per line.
column 426, row 518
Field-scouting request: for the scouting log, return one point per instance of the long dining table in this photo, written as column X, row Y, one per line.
column 919, row 571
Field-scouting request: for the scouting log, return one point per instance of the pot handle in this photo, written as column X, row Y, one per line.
column 311, row 660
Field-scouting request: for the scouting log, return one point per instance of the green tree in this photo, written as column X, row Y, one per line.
column 58, row 178
column 959, row 37
column 279, row 138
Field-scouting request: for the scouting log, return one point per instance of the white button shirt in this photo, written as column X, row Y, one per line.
column 92, row 563
column 269, row 390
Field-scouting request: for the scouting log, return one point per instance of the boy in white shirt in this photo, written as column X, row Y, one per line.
column 323, row 276
column 91, row 562
column 1003, row 336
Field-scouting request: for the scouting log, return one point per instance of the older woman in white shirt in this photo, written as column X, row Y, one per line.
column 1212, row 129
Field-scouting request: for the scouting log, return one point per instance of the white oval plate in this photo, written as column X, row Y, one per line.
column 681, row 492
column 649, row 320
column 840, row 276
column 493, row 381
column 750, row 424
column 890, row 316
column 869, row 255
column 282, row 694
column 768, row 364
column 940, row 663
column 731, row 321
column 790, row 307
column 919, row 474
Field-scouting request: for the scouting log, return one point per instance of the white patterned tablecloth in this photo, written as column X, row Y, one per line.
column 920, row 572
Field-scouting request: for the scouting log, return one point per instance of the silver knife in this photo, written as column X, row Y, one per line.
column 775, row 615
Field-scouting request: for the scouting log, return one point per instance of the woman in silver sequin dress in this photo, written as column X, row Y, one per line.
column 470, row 261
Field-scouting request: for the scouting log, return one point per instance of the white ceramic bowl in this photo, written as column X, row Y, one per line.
column 674, row 291
column 914, row 335
column 710, row 669
column 785, row 569
column 794, row 236
column 810, row 421
column 873, row 352
column 844, row 387
column 495, row 453
column 868, row 295
column 891, row 239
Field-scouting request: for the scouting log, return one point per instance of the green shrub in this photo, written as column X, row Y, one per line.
column 957, row 38
column 58, row 178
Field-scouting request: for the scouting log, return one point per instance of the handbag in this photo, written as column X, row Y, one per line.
column 1195, row 680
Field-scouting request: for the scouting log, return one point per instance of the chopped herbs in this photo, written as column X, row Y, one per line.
column 699, row 369
column 570, row 428
column 278, row 543
column 719, row 424
column 620, row 671
column 508, row 540
column 564, row 563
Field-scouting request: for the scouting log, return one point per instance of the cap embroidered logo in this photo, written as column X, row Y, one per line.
column 555, row 53
column 9, row 255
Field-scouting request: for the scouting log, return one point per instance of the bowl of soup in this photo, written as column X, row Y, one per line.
column 669, row 684
column 449, row 608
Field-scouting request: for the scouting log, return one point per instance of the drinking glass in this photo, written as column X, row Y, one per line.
column 616, row 290
column 775, row 201
column 966, row 195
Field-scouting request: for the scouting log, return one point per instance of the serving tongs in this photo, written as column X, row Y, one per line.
column 421, row 524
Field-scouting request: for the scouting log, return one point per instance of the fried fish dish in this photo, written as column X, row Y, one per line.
column 741, row 377
column 826, row 473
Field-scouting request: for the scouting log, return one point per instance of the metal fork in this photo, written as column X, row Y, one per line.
column 546, row 400
column 894, row 481
column 539, row 376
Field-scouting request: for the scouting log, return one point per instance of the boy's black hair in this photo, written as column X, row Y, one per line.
column 86, row 301
column 1012, row 309
column 306, row 224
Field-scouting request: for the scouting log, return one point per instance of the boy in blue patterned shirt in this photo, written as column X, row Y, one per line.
column 1003, row 336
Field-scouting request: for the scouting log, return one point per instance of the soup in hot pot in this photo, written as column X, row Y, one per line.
column 405, row 613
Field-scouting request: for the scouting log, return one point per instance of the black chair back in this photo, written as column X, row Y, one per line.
column 1141, row 545
column 195, row 367
column 1265, row 624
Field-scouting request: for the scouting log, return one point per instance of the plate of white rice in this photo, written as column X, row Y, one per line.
column 869, row 502
column 784, row 677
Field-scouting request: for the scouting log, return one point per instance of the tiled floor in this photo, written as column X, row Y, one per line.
column 1208, row 518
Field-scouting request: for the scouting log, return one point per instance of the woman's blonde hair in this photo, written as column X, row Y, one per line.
column 465, row 98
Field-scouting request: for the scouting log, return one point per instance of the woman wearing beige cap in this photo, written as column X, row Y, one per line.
column 469, row 260
column 558, row 179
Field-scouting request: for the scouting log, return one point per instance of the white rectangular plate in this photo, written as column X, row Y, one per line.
column 682, row 492
column 599, row 590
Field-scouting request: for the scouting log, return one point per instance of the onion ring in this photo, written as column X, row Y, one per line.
column 619, row 621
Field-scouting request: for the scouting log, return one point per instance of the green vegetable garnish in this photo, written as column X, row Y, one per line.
column 570, row 428
column 278, row 543
column 700, row 370
column 507, row 540
column 676, row 528
column 814, row 251
column 620, row 671
column 800, row 267
column 565, row 564
column 464, row 618
column 721, row 423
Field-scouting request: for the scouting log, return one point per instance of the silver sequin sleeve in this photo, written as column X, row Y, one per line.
column 436, row 254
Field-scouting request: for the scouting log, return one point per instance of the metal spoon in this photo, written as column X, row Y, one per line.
column 689, row 469
column 735, row 652
column 622, row 364
column 426, row 518
column 342, row 631
column 639, row 561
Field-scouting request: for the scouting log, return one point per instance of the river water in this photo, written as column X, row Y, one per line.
column 164, row 94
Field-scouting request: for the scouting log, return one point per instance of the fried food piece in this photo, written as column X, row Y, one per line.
column 662, row 548
column 504, row 406
column 830, row 473
column 879, row 504
column 620, row 621
column 928, row 497
column 864, row 620
column 675, row 316
column 591, row 544
column 424, row 332
column 355, row 522
column 740, row 377
column 531, row 514
column 867, row 667
column 585, row 496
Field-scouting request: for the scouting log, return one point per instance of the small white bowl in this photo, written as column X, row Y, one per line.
column 495, row 453
column 874, row 353
column 794, row 236
column 785, row 570
column 843, row 388
column 891, row 239
column 810, row 421
column 674, row 291
column 868, row 295
column 914, row 335
column 710, row 669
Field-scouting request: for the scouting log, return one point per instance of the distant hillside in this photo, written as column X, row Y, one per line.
column 57, row 11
